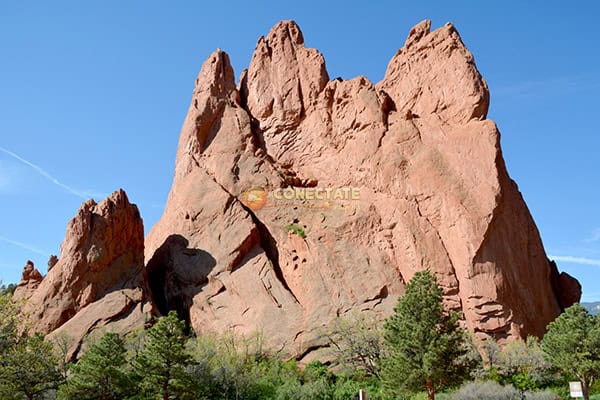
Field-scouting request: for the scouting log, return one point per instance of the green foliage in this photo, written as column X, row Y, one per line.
column 315, row 390
column 348, row 387
column 28, row 369
column 595, row 388
column 296, row 229
column 8, row 322
column 572, row 344
column 356, row 343
column 162, row 363
column 315, row 371
column 101, row 373
column 7, row 289
column 227, row 367
column 522, row 365
column 488, row 390
column 424, row 344
column 424, row 349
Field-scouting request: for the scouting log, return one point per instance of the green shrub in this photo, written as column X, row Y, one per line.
column 296, row 229
column 315, row 390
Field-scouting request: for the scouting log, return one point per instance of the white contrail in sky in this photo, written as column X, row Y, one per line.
column 576, row 260
column 24, row 246
column 45, row 174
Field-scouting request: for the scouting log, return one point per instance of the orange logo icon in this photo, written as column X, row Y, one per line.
column 254, row 198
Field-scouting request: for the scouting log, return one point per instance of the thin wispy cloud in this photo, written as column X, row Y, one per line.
column 24, row 246
column 81, row 194
column 594, row 237
column 576, row 260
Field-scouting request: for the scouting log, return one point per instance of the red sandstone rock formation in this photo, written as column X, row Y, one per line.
column 30, row 280
column 100, row 278
column 434, row 194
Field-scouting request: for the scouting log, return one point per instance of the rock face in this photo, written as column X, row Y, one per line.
column 100, row 278
column 429, row 191
column 30, row 280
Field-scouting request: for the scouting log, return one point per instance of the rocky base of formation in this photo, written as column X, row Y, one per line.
column 429, row 191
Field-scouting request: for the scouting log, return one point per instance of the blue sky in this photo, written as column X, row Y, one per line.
column 92, row 96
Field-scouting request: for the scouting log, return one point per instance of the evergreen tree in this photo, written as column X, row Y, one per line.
column 163, row 360
column 101, row 374
column 572, row 344
column 8, row 322
column 28, row 369
column 425, row 346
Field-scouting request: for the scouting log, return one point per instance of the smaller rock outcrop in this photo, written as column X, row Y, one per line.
column 567, row 288
column 30, row 280
column 100, row 277
column 30, row 274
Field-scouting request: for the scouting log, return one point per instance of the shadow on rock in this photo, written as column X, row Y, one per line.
column 176, row 274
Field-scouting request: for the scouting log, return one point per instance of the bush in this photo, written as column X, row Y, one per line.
column 346, row 388
column 486, row 390
column 356, row 343
column 489, row 390
column 545, row 395
column 296, row 229
column 316, row 390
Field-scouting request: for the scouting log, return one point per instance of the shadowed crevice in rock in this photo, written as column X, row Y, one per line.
column 269, row 245
column 176, row 274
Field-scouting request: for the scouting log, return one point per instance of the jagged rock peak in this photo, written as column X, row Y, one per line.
column 216, row 75
column 418, row 32
column 284, row 78
column 283, row 32
column 434, row 74
column 103, row 252
column 215, row 90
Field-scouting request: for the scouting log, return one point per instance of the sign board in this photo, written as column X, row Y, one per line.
column 576, row 389
column 362, row 394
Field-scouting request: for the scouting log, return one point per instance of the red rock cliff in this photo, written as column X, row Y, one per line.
column 434, row 194
column 99, row 279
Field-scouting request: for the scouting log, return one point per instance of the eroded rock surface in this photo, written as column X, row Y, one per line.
column 100, row 278
column 434, row 194
column 30, row 280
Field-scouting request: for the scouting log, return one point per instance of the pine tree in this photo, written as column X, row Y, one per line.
column 28, row 369
column 424, row 344
column 572, row 344
column 100, row 374
column 163, row 360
